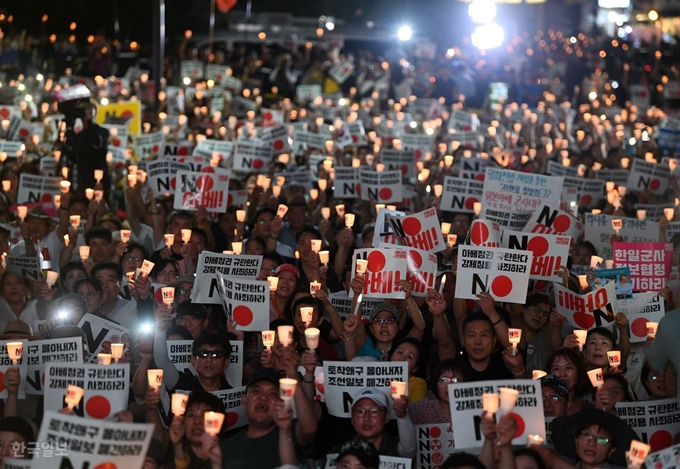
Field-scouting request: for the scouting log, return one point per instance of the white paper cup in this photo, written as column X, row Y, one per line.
column 147, row 266
column 130, row 277
column 117, row 351
column 312, row 336
column 340, row 210
column 64, row 186
column 51, row 278
column 89, row 194
column 240, row 216
column 168, row 294
column 451, row 239
column 514, row 335
column 508, row 398
column 641, row 214
column 538, row 374
column 179, row 403
column 125, row 235
column 490, row 402
column 169, row 239
column 638, row 449
column 22, row 211
column 281, row 210
column 285, row 335
column 186, row 235
column 446, row 228
column 583, row 281
column 6, row 185
column 84, row 252
column 155, row 377
column 213, row 422
column 398, row 389
column 73, row 395
column 268, row 338
column 75, row 220
column 273, row 283
column 287, row 389
column 316, row 246
column 314, row 287
column 324, row 257
column 326, row 212
column 98, row 175
column 306, row 313
column 362, row 264
column 104, row 358
column 614, row 357
column 596, row 377
column 596, row 262
column 237, row 247
column 581, row 335
column 609, row 264
column 349, row 220
column 651, row 329
column 15, row 350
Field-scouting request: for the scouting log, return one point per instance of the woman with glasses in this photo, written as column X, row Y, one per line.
column 131, row 260
column 411, row 351
column 165, row 271
column 436, row 408
column 654, row 382
column 92, row 293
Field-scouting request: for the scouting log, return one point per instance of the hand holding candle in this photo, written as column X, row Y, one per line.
column 514, row 336
column 15, row 351
column 490, row 404
column 213, row 422
column 73, row 396
column 287, row 390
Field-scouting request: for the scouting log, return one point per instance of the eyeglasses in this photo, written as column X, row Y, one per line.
column 167, row 275
column 91, row 294
column 373, row 412
column 540, row 311
column 271, row 271
column 381, row 321
column 263, row 222
column 600, row 440
column 447, row 380
column 183, row 291
column 132, row 259
column 553, row 397
column 211, row 353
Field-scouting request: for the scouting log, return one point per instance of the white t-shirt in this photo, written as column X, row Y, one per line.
column 145, row 238
column 125, row 313
column 53, row 244
column 7, row 315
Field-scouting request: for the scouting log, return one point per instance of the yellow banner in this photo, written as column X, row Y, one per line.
column 128, row 108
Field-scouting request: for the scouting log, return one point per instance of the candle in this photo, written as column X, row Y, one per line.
column 65, row 186
column 285, row 335
column 651, row 329
column 14, row 351
column 312, row 337
column 51, row 278
column 398, row 389
column 125, row 235
column 117, row 351
column 237, row 247
column 538, row 374
column 356, row 308
column 490, row 403
column 281, row 211
column 442, row 284
column 316, row 245
column 89, row 194
column 213, row 422
column 514, row 336
column 186, row 235
column 361, row 266
column 535, row 440
column 307, row 313
column 349, row 220
column 451, row 239
column 614, row 357
column 642, row 214
column 477, row 207
column 155, row 377
column 84, row 252
column 581, row 335
column 287, row 390
column 240, row 216
column 179, row 404
column 326, row 212
column 73, row 396
column 273, row 283
column 314, row 287
column 98, row 175
column 268, row 338
column 596, row 377
column 169, row 239
column 168, row 295
column 75, row 221
column 22, row 211
column 446, row 228
column 104, row 358
column 508, row 398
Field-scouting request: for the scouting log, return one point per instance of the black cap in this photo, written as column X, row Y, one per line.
column 557, row 383
column 193, row 309
column 17, row 425
column 265, row 374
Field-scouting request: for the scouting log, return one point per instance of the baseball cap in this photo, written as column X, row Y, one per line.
column 557, row 383
column 186, row 278
column 264, row 374
column 17, row 425
column 384, row 307
column 373, row 394
column 192, row 309
column 288, row 268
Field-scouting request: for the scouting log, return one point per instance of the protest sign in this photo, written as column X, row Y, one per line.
column 589, row 191
column 179, row 352
column 11, row 148
column 421, row 144
column 100, row 333
column 162, row 175
column 201, row 190
column 216, row 72
column 40, row 353
column 460, row 195
column 234, row 412
column 549, row 252
column 598, row 230
column 399, row 160
column 641, row 308
column 345, row 379
column 82, row 443
column 191, row 69
column 421, row 230
column 620, row 277
column 649, row 263
column 277, row 138
column 6, row 363
column 23, row 266
column 435, row 445
column 551, row 220
column 238, row 198
column 301, row 177
column 211, row 263
column 341, row 71
column 383, row 230
column 148, row 145
column 462, row 121
column 466, row 410
column 37, row 189
column 484, row 233
column 342, row 303
column 648, row 176
column 593, row 309
column 346, row 182
column 131, row 110
column 246, row 301
column 272, row 118
column 618, row 176
column 307, row 92
column 668, row 458
column 656, row 422
column 386, row 462
column 209, row 148
column 555, row 168
column 106, row 388
column 251, row 156
column 422, row 268
column 503, row 273
column 655, row 212
column 382, row 187
column 385, row 268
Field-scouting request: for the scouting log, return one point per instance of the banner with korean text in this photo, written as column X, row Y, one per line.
column 649, row 263
column 385, row 268
column 201, row 190
column 421, row 230
column 460, row 195
column 593, row 309
column 599, row 231
column 551, row 220
column 235, row 413
column 435, row 445
column 641, row 308
column 656, row 422
column 247, row 301
column 212, row 263
column 648, row 176
column 382, row 187
column 40, row 353
column 549, row 252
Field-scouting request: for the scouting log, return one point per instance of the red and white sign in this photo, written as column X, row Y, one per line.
column 639, row 96
column 549, row 252
column 383, row 230
column 100, row 334
column 162, row 175
column 216, row 73
column 251, row 157
column 238, row 198
column 589, row 191
column 382, row 187
column 648, row 176
column 341, row 71
column 503, row 273
column 421, row 267
column 460, row 195
column 277, row 137
column 40, row 353
column 598, row 230
column 649, row 263
column 549, row 220
column 272, row 118
column 421, row 230
column 435, row 445
column 484, row 233
column 346, row 182
column 641, row 308
column 148, row 145
column 37, row 189
column 247, row 301
column 191, row 69
column 209, row 148
column 593, row 309
column 657, row 420
column 201, row 190
column 234, row 412
column 385, row 268
column 462, row 121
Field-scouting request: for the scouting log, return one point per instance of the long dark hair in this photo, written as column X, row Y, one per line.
column 583, row 385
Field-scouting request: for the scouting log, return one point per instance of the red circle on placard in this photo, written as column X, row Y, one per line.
column 208, row 169
column 42, row 379
column 106, row 465
column 385, row 193
column 4, row 113
column 173, row 183
column 230, row 200
column 98, row 407
column 23, row 132
column 435, row 445
column 127, row 113
column 231, row 419
column 320, row 387
column 404, row 169
column 154, row 149
column 561, row 223
column 46, row 198
column 501, row 286
column 358, row 188
column 480, row 177
column 586, row 199
column 521, row 426
column 182, row 151
column 584, row 321
column 376, row 261
column 470, row 203
column 267, row 116
column 355, row 138
column 2, row 385
column 204, row 183
column 416, row 259
column 257, row 164
column 278, row 144
column 243, row 315
column 660, row 440
column 411, row 226
column 654, row 184
column 479, row 233
column 419, row 154
column 639, row 327
column 435, row 432
column 437, row 458
column 538, row 245
column 115, row 142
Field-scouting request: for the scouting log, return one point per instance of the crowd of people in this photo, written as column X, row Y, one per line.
column 568, row 102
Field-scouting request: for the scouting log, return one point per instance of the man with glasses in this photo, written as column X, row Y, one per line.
column 370, row 416
column 555, row 392
column 118, row 309
column 539, row 337
column 183, row 287
column 271, row 260
column 461, row 224
column 192, row 316
column 262, row 227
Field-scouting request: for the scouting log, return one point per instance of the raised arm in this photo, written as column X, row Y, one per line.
column 488, row 306
column 441, row 331
column 160, row 351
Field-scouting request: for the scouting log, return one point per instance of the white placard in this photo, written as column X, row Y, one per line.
column 549, row 252
column 593, row 309
column 382, row 187
column 211, row 263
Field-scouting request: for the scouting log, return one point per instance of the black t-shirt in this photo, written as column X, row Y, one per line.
column 496, row 369
column 188, row 382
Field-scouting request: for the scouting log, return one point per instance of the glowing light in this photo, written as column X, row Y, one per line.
column 482, row 11
column 186, row 81
column 488, row 36
column 404, row 33
column 104, row 101
column 653, row 15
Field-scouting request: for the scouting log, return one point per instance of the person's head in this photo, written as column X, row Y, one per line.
column 384, row 322
column 595, row 443
column 447, row 372
column 357, row 453
column 582, row 252
column 411, row 351
column 599, row 341
column 370, row 413
column 70, row 274
column 180, row 220
column 479, row 338
column 262, row 394
column 133, row 257
column 367, row 233
column 78, row 206
column 304, row 242
column 262, row 226
column 92, row 293
column 210, row 355
column 461, row 224
column 109, row 276
column 271, row 260
column 99, row 240
column 197, row 244
column 297, row 213
column 624, row 278
column 255, row 246
column 177, row 333
column 193, row 316
column 653, row 381
column 618, row 385
column 295, row 313
column 288, row 275
column 155, row 455
column 165, row 271
column 536, row 312
column 527, row 458
column 555, row 392
column 227, row 221
column 462, row 461
column 14, row 289
column 183, row 287
column 15, row 435
column 570, row 366
column 39, row 223
column 68, row 310
column 198, row 404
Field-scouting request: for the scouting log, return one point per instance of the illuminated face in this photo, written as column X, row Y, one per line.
column 263, row 225
column 656, row 382
column 287, row 283
column 444, row 381
column 194, row 423
column 479, row 340
column 369, row 419
column 554, row 405
column 564, row 368
column 132, row 260
column 595, row 351
column 593, row 446
column 178, row 224
column 407, row 353
column 92, row 298
column 167, row 275
column 100, row 250
column 209, row 366
column 384, row 327
column 110, row 283
column 259, row 401
column 536, row 316
column 193, row 324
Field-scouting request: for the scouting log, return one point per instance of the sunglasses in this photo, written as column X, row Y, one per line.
column 211, row 353
column 382, row 321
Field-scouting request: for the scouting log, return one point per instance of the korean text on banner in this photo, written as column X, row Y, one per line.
column 382, row 187
column 421, row 231
column 503, row 273
column 180, row 354
column 435, row 445
column 593, row 309
column 201, row 190
column 549, row 252
column 466, row 410
column 247, row 301
column 23, row 266
column 421, row 266
column 37, row 189
column 648, row 176
column 598, row 230
column 212, row 263
column 101, row 333
column 40, row 353
column 385, row 268
column 641, row 308
column 649, row 263
column 460, row 195
column 657, row 422
column 235, row 413
column 345, row 379
column 664, row 459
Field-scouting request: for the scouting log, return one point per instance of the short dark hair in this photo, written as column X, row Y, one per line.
column 262, row 210
column 365, row 452
column 98, row 232
column 589, row 423
column 107, row 266
column 308, row 229
column 162, row 264
column 462, row 460
column 583, row 385
column 623, row 382
column 68, row 268
column 91, row 281
column 604, row 332
column 214, row 340
column 273, row 256
column 178, row 330
column 536, row 299
column 450, row 364
column 201, row 233
column 476, row 316
column 200, row 396
column 182, row 214
column 531, row 453
column 257, row 240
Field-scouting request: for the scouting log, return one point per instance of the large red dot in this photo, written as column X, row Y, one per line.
column 376, row 261
column 358, row 188
column 98, row 407
column 385, row 193
column 584, row 320
column 106, row 465
column 4, row 113
column 654, row 184
column 538, row 245
column 416, row 259
column 411, row 226
column 46, row 198
column 480, row 177
column 501, row 286
column 521, row 426
column 586, row 200
column 231, row 419
column 2, row 378
column 23, row 132
column 479, row 233
column 561, row 223
column 257, row 163
column 404, row 169
column 320, row 387
column 154, row 149
column 204, row 183
column 243, row 315
column 278, row 144
column 639, row 327
column 173, row 183
column 470, row 203
column 435, row 432
column 661, row 440
column 183, row 151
